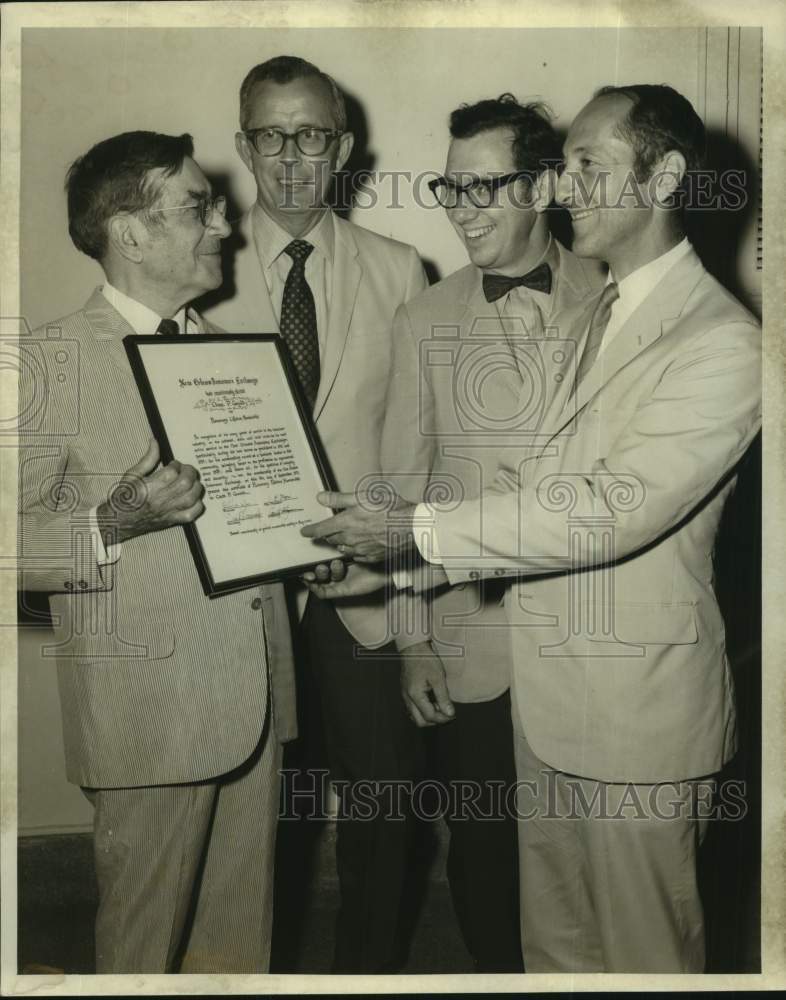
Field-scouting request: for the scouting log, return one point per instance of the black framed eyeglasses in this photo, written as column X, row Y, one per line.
column 481, row 191
column 205, row 208
column 310, row 141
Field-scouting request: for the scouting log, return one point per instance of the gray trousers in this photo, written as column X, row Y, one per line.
column 608, row 871
column 185, row 872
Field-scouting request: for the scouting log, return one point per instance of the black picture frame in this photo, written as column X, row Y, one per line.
column 215, row 585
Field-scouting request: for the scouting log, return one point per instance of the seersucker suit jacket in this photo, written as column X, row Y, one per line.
column 372, row 276
column 158, row 683
column 457, row 403
column 620, row 667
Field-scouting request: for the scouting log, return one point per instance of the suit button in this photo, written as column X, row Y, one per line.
column 256, row 604
column 474, row 575
column 82, row 585
column 68, row 585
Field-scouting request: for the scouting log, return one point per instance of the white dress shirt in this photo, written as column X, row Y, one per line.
column 633, row 290
column 139, row 317
column 270, row 240
column 143, row 321
column 518, row 301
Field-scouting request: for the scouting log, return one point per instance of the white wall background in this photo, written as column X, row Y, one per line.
column 82, row 85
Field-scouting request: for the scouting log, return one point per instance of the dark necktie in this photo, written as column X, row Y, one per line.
column 497, row 285
column 598, row 323
column 298, row 324
column 168, row 328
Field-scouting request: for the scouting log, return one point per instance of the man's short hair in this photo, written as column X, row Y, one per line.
column 660, row 120
column 114, row 176
column 285, row 69
column 535, row 144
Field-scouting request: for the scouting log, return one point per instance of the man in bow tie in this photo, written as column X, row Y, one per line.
column 623, row 697
column 470, row 376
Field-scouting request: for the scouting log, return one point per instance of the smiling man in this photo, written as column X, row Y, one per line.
column 456, row 403
column 623, row 702
column 164, row 692
column 331, row 288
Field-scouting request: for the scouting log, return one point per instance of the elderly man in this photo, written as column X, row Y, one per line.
column 624, row 707
column 479, row 327
column 165, row 693
column 331, row 288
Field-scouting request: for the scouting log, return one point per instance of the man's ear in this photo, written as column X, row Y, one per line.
column 666, row 178
column 124, row 237
column 544, row 190
column 345, row 144
column 243, row 147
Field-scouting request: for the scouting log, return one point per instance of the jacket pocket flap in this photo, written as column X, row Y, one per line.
column 139, row 643
column 645, row 624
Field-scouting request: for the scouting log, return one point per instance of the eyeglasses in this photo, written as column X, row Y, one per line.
column 205, row 208
column 481, row 192
column 310, row 141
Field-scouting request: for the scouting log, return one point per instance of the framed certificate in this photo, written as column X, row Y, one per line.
column 231, row 406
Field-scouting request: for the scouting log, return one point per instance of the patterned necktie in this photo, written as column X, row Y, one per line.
column 298, row 324
column 598, row 323
column 497, row 285
column 168, row 328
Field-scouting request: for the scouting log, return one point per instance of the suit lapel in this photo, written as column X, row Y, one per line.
column 202, row 325
column 573, row 285
column 109, row 327
column 347, row 272
column 574, row 300
column 496, row 372
column 571, row 325
column 572, row 307
column 259, row 316
column 477, row 311
column 573, row 296
column 653, row 318
column 481, row 320
column 641, row 329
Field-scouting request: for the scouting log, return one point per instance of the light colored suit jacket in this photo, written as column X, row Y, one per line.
column 372, row 276
column 158, row 683
column 620, row 669
column 454, row 407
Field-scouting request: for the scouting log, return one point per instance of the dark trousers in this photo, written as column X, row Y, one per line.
column 474, row 759
column 352, row 719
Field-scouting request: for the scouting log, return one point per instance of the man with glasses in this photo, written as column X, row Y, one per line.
column 469, row 381
column 164, row 693
column 623, row 694
column 331, row 288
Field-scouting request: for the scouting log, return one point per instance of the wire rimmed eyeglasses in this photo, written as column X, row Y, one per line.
column 204, row 206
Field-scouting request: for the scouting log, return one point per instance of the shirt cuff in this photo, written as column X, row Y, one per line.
column 105, row 556
column 425, row 531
